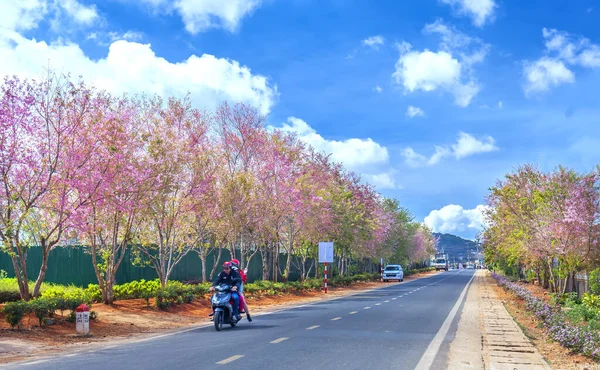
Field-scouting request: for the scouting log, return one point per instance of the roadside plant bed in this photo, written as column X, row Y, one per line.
column 67, row 298
column 578, row 338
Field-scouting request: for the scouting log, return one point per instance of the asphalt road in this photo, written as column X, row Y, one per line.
column 401, row 326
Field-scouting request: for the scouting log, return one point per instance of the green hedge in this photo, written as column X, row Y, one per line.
column 45, row 307
column 176, row 292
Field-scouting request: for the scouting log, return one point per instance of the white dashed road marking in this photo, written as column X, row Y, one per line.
column 312, row 327
column 336, row 319
column 279, row 340
column 353, row 312
column 230, row 359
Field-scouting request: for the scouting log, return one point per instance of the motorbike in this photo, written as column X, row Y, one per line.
column 222, row 304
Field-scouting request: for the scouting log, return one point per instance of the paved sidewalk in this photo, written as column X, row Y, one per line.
column 487, row 336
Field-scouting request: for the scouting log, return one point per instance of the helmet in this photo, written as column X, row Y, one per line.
column 227, row 264
column 235, row 262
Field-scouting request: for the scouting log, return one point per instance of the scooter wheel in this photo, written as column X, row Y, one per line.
column 218, row 318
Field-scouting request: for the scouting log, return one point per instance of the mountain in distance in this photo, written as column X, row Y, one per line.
column 457, row 248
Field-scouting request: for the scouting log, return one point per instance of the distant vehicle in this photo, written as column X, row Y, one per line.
column 393, row 272
column 470, row 267
column 440, row 264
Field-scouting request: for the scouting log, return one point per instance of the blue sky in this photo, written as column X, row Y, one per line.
column 432, row 101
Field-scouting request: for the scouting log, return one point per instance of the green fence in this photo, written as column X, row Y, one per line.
column 73, row 265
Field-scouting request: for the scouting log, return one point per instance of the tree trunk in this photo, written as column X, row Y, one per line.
column 232, row 250
column 21, row 279
column 276, row 262
column 217, row 259
column 288, row 266
column 264, row 254
column 303, row 273
column 312, row 264
column 203, row 260
column 42, row 274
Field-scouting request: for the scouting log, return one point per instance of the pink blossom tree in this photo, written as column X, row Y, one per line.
column 46, row 146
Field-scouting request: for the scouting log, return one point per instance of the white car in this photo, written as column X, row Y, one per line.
column 393, row 272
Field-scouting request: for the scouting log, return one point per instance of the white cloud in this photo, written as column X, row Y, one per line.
column 378, row 89
column 353, row 153
column 572, row 49
column 106, row 38
column 545, row 73
column 129, row 36
column 18, row 15
column 429, row 71
column 382, row 181
column 374, row 42
column 201, row 15
column 78, row 12
column 363, row 156
column 414, row 159
column 129, row 66
column 465, row 146
column 413, row 112
column 500, row 104
column 481, row 11
column 454, row 218
column 563, row 50
column 449, row 69
column 468, row 145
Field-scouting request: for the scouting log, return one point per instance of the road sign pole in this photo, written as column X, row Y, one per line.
column 325, row 277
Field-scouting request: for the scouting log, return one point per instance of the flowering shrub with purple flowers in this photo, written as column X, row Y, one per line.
column 578, row 338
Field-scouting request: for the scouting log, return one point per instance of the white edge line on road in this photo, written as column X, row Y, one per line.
column 33, row 362
column 230, row 359
column 279, row 340
column 433, row 348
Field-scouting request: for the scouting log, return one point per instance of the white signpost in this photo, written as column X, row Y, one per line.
column 325, row 256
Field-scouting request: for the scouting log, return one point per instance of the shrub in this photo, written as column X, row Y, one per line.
column 162, row 299
column 591, row 301
column 15, row 311
column 9, row 290
column 42, row 308
column 595, row 281
column 136, row 289
column 94, row 292
column 67, row 298
column 202, row 289
column 580, row 313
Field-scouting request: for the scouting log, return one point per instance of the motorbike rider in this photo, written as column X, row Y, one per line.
column 235, row 265
column 233, row 279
